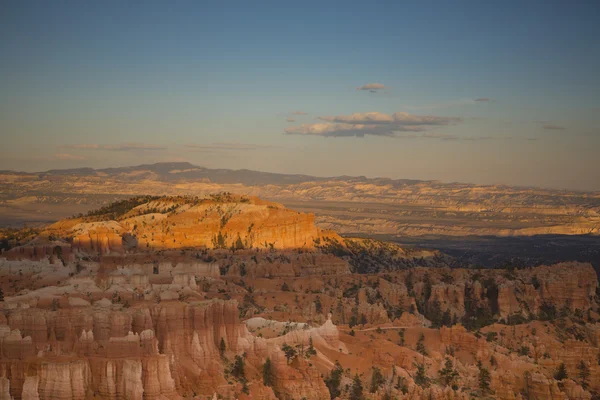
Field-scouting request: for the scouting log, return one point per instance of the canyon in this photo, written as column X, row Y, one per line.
column 234, row 297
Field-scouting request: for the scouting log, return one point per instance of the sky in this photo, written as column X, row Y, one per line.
column 469, row 91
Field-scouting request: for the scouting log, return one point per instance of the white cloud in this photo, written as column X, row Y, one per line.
column 361, row 118
column 371, row 123
column 371, row 86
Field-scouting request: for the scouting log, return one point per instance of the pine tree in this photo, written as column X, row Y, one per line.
column 484, row 378
column 376, row 380
column 401, row 385
column 353, row 321
column 408, row 282
column 434, row 314
column 561, row 372
column 584, row 374
column 363, row 319
column 239, row 245
column 421, row 345
column 220, row 241
column 289, row 351
column 222, row 348
column 318, row 305
column 493, row 361
column 238, row 368
column 401, row 333
column 311, row 349
column 446, row 318
column 526, row 390
column 334, row 380
column 448, row 373
column 268, row 378
column 421, row 377
column 356, row 392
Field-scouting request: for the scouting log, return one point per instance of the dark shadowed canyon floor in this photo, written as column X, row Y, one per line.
column 520, row 251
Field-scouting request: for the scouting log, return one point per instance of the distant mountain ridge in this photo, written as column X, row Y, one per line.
column 189, row 171
column 173, row 171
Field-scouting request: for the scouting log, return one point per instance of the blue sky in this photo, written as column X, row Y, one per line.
column 218, row 84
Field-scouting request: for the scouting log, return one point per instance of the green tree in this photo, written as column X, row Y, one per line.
column 526, row 389
column 363, row 319
column 267, row 372
column 428, row 287
column 353, row 321
column 334, row 380
column 421, row 345
column 561, row 372
column 318, row 305
column 238, row 368
column 221, row 241
column 239, row 245
column 402, row 385
column 409, row 283
column 356, row 391
column 421, row 377
column 484, row 378
column 289, row 351
column 311, row 349
column 583, row 374
column 448, row 373
column 447, row 318
column 377, row 380
column 493, row 361
column 434, row 314
column 222, row 348
column 401, row 333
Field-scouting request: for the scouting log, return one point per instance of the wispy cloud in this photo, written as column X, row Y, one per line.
column 290, row 119
column 372, row 87
column 552, row 127
column 483, row 99
column 399, row 118
column 115, row 147
column 299, row 113
column 225, row 146
column 371, row 123
column 69, row 157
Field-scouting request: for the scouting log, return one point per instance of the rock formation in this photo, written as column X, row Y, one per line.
column 92, row 309
column 221, row 221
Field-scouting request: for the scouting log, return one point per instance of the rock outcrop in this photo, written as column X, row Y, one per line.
column 221, row 221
